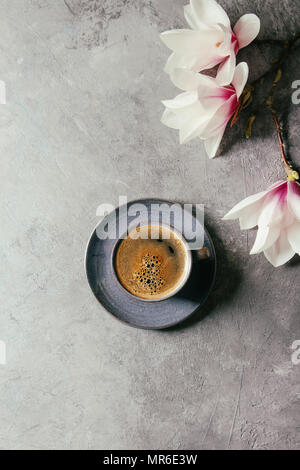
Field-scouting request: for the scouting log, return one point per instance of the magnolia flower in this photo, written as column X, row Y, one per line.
column 211, row 40
column 205, row 107
column 276, row 212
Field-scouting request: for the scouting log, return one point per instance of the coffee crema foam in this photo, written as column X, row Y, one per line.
column 152, row 267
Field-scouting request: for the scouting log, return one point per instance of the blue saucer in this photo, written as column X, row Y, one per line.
column 131, row 310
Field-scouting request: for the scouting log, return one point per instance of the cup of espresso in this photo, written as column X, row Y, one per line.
column 153, row 262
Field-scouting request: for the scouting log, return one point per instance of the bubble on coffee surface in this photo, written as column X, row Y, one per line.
column 148, row 276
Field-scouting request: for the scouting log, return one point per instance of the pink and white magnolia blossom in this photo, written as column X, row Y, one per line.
column 211, row 40
column 205, row 107
column 276, row 212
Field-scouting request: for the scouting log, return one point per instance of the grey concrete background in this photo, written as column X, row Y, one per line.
column 81, row 126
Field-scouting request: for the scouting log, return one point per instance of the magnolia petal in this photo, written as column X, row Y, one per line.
column 293, row 198
column 246, row 29
column 194, row 49
column 271, row 221
column 189, row 80
column 184, row 99
column 191, row 129
column 273, row 210
column 179, row 61
column 288, row 219
column 189, row 41
column 247, row 222
column 208, row 60
column 266, row 237
column 213, row 124
column 226, row 45
column 212, row 144
column 220, row 117
column 209, row 12
column 240, row 209
column 191, row 18
column 179, row 117
column 207, row 95
column 293, row 234
column 170, row 119
column 240, row 77
column 276, row 185
column 280, row 252
column 211, row 96
column 226, row 70
column 250, row 216
column 171, row 63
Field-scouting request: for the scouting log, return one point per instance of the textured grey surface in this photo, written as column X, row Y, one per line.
column 81, row 126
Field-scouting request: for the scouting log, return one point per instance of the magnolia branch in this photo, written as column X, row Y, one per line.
column 247, row 96
column 292, row 175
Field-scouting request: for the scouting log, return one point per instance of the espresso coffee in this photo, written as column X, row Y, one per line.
column 151, row 262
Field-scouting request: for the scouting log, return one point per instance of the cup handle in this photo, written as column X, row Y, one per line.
column 203, row 253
